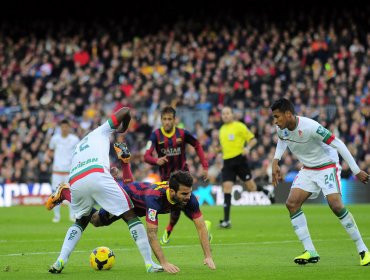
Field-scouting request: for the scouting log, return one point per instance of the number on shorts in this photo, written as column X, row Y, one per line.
column 329, row 178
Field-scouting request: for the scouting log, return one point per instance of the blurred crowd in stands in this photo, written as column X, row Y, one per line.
column 84, row 71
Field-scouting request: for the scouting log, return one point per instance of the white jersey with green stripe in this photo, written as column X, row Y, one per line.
column 309, row 142
column 92, row 152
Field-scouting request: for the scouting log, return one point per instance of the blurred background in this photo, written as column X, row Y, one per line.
column 83, row 61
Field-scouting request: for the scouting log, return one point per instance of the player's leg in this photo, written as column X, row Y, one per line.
column 350, row 226
column 174, row 218
column 139, row 234
column 81, row 204
column 56, row 179
column 245, row 174
column 102, row 217
column 228, row 178
column 227, row 187
column 300, row 191
column 72, row 217
column 329, row 181
column 115, row 200
column 62, row 192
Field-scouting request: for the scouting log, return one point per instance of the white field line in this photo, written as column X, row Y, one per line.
column 180, row 246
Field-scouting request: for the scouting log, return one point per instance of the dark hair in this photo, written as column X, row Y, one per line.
column 64, row 121
column 168, row 110
column 283, row 105
column 178, row 178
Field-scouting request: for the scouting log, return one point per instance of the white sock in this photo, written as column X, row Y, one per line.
column 138, row 233
column 70, row 241
column 299, row 223
column 56, row 210
column 71, row 214
column 349, row 224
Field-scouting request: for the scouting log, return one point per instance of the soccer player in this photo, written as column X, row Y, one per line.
column 317, row 149
column 150, row 200
column 62, row 146
column 91, row 182
column 169, row 142
column 233, row 138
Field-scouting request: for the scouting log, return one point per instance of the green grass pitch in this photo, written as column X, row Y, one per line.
column 260, row 245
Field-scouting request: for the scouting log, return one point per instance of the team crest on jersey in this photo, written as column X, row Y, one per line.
column 285, row 133
column 322, row 131
column 300, row 133
column 178, row 140
column 152, row 214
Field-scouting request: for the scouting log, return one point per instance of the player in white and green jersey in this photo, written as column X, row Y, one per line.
column 317, row 149
column 91, row 182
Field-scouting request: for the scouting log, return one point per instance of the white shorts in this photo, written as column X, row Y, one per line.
column 102, row 189
column 57, row 179
column 313, row 181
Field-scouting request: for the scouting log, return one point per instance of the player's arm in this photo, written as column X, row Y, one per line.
column 203, row 237
column 123, row 118
column 338, row 144
column 320, row 133
column 148, row 156
column 250, row 145
column 48, row 158
column 280, row 149
column 250, row 138
column 200, row 152
column 152, row 231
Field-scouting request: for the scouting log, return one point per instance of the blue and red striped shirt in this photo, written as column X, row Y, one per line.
column 152, row 199
column 173, row 146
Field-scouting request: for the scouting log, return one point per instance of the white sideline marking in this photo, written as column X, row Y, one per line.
column 178, row 246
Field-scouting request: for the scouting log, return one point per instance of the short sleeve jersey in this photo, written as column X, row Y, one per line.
column 233, row 137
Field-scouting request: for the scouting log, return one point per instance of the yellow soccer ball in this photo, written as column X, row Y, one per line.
column 102, row 258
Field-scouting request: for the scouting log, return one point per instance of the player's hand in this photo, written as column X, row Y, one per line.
column 170, row 268
column 162, row 160
column 209, row 262
column 114, row 171
column 363, row 177
column 276, row 175
column 205, row 175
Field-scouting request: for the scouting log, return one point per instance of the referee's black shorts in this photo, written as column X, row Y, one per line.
column 237, row 166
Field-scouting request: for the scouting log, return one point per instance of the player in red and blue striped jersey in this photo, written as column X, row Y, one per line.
column 169, row 142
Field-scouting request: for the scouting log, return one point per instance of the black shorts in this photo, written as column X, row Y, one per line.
column 236, row 166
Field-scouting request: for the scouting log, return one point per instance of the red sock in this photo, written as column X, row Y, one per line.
column 127, row 176
column 169, row 228
column 66, row 194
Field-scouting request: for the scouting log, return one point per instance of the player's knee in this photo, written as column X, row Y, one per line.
column 292, row 205
column 83, row 222
column 95, row 220
column 129, row 215
column 336, row 207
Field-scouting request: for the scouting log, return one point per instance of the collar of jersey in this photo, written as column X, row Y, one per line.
column 169, row 135
column 296, row 122
column 169, row 197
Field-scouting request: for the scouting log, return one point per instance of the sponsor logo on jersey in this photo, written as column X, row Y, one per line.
column 152, row 214
column 84, row 163
column 171, row 151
